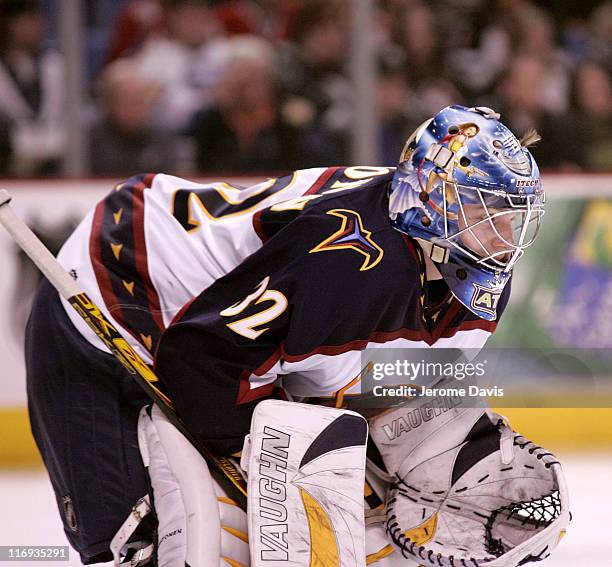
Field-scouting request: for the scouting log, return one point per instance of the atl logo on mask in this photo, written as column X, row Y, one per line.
column 485, row 299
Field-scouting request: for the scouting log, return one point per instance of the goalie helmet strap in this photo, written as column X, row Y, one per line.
column 440, row 155
column 438, row 254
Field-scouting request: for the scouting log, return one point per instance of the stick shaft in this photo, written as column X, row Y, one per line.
column 36, row 250
column 222, row 468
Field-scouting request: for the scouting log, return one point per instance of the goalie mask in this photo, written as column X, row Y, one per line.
column 470, row 193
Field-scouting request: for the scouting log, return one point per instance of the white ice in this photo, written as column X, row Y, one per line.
column 29, row 516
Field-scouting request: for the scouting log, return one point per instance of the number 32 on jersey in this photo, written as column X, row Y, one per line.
column 247, row 326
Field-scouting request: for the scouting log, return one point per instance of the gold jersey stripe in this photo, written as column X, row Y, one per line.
column 147, row 341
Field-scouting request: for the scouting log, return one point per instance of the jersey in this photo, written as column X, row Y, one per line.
column 226, row 289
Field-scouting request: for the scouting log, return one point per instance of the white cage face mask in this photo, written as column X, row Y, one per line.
column 493, row 228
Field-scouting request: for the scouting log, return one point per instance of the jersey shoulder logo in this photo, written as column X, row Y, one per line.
column 352, row 236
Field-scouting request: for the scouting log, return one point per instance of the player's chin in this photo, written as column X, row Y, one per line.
column 500, row 260
column 502, row 257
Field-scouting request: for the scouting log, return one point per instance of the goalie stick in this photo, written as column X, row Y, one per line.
column 221, row 468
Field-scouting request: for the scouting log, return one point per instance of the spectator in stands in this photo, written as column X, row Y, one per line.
column 397, row 116
column 521, row 105
column 5, row 145
column 244, row 131
column 270, row 19
column 137, row 21
column 600, row 48
column 476, row 68
column 180, row 62
column 536, row 36
column 415, row 33
column 504, row 29
column 123, row 139
column 312, row 77
column 593, row 100
column 32, row 93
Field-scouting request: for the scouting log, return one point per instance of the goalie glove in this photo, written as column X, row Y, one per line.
column 493, row 498
column 417, row 431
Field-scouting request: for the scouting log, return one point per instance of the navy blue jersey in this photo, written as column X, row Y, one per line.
column 228, row 289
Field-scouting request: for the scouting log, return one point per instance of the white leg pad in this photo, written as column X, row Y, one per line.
column 234, row 527
column 167, row 497
column 306, row 467
column 198, row 525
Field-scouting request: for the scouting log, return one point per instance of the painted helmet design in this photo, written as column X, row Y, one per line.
column 470, row 193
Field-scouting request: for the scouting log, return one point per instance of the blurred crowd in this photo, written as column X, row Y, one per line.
column 190, row 86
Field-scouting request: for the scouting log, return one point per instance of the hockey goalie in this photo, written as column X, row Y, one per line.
column 253, row 305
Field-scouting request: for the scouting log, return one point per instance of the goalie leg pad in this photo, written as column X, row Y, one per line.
column 198, row 524
column 306, row 472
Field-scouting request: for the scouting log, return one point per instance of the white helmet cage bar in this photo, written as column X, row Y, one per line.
column 525, row 212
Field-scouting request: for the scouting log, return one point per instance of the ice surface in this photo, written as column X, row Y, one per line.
column 29, row 516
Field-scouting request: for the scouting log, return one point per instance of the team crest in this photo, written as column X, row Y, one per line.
column 352, row 236
column 485, row 299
